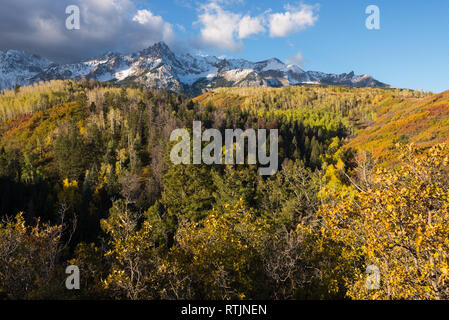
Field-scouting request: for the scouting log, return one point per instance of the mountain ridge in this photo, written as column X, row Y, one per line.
column 159, row 67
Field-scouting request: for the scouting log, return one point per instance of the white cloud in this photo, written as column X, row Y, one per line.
column 218, row 27
column 298, row 60
column 152, row 22
column 146, row 16
column 223, row 30
column 294, row 19
column 249, row 26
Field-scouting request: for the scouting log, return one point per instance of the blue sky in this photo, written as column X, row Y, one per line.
column 410, row 50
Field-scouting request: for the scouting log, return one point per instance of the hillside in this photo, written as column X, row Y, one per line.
column 85, row 170
column 424, row 122
column 369, row 119
column 377, row 118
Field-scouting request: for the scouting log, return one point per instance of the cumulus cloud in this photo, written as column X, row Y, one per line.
column 151, row 22
column 117, row 25
column 297, row 59
column 294, row 19
column 223, row 30
column 249, row 26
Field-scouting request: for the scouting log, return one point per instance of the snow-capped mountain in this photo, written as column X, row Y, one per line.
column 158, row 67
column 18, row 67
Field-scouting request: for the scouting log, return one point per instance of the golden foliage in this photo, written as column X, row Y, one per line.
column 400, row 225
column 28, row 259
column 221, row 251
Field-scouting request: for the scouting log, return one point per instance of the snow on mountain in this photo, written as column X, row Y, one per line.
column 17, row 67
column 158, row 67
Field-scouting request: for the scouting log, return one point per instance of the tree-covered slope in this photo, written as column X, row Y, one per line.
column 85, row 171
column 424, row 122
column 377, row 118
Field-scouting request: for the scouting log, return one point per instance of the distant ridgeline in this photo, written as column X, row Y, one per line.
column 159, row 68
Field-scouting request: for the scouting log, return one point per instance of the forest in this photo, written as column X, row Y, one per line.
column 86, row 180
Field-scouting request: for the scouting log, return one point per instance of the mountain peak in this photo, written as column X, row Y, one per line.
column 15, row 52
column 276, row 60
column 159, row 48
column 161, row 45
column 107, row 55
